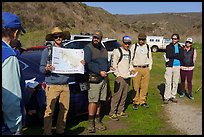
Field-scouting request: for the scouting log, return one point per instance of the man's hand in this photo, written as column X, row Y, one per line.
column 103, row 74
column 49, row 67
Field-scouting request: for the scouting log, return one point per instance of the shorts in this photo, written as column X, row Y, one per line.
column 98, row 92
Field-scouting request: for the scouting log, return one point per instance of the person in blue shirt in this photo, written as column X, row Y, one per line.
column 56, row 84
column 11, row 76
column 174, row 56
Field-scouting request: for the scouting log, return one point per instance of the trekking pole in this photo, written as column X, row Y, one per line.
column 199, row 88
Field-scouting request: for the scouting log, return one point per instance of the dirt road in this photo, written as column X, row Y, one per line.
column 185, row 117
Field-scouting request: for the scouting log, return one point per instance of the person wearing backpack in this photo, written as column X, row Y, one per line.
column 187, row 66
column 142, row 63
column 122, row 71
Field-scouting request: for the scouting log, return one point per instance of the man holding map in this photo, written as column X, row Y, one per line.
column 56, row 84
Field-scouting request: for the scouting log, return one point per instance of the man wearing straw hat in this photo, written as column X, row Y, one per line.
column 56, row 85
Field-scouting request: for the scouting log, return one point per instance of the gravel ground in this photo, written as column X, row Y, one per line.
column 186, row 118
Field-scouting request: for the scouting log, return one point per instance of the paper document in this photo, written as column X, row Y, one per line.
column 67, row 61
column 111, row 71
column 133, row 75
column 166, row 59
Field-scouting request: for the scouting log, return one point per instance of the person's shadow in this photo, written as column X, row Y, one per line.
column 161, row 88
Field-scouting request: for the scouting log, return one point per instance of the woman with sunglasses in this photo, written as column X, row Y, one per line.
column 187, row 66
column 174, row 56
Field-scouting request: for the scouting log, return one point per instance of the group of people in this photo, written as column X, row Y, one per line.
column 129, row 61
column 180, row 62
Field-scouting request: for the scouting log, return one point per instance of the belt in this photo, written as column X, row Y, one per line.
column 142, row 66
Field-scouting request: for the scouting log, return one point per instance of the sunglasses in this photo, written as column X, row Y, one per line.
column 58, row 36
column 127, row 43
column 174, row 38
column 142, row 39
column 188, row 42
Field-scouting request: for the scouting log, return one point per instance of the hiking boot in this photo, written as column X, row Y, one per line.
column 191, row 97
column 91, row 126
column 114, row 117
column 135, row 106
column 166, row 101
column 99, row 125
column 145, row 105
column 122, row 114
column 182, row 95
column 174, row 100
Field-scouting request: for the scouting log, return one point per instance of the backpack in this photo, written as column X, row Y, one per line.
column 121, row 55
column 136, row 48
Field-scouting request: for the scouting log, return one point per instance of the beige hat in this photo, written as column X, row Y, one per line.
column 57, row 31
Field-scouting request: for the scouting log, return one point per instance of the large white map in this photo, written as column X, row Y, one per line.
column 67, row 61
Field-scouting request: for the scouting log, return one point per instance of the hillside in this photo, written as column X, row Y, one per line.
column 78, row 17
column 186, row 24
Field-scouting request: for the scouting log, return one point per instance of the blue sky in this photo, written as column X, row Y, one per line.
column 147, row 7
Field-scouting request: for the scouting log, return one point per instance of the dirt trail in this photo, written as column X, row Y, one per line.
column 185, row 117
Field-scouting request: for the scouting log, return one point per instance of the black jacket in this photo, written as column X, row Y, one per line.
column 170, row 53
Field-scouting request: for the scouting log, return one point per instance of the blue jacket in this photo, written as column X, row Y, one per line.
column 11, row 90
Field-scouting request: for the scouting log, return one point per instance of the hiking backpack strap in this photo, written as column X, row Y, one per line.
column 49, row 53
column 136, row 48
column 134, row 51
column 121, row 55
column 148, row 50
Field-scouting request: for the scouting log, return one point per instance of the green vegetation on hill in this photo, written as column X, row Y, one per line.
column 39, row 18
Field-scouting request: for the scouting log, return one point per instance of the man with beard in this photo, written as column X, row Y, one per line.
column 142, row 62
column 11, row 76
column 56, row 85
column 97, row 67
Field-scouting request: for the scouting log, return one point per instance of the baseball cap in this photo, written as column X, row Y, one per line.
column 142, row 36
column 189, row 39
column 31, row 83
column 127, row 39
column 98, row 34
column 11, row 21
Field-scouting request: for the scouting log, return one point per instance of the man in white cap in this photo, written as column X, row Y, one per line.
column 122, row 69
column 11, row 76
column 187, row 66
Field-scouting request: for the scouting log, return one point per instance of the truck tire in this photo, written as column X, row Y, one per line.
column 154, row 48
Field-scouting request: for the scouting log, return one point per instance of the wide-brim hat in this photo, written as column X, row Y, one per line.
column 57, row 31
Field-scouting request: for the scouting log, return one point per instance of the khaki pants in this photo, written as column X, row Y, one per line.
column 121, row 88
column 52, row 93
column 171, row 74
column 140, row 85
